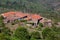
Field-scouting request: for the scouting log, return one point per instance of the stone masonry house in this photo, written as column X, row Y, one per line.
column 11, row 16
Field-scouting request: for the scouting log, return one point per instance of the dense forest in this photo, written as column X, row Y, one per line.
column 47, row 8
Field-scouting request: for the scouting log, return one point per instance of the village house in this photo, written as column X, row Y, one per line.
column 36, row 19
column 11, row 16
column 46, row 22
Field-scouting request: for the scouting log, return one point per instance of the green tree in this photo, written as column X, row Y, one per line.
column 5, row 34
column 21, row 33
column 1, row 22
column 2, row 25
column 50, row 34
column 45, row 32
column 2, row 36
column 35, row 36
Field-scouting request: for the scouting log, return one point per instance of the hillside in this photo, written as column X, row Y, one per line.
column 47, row 8
column 29, row 19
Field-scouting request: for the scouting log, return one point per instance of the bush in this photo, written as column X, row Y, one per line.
column 39, row 28
column 21, row 33
column 56, row 29
column 4, row 37
column 50, row 34
column 1, row 22
column 45, row 32
column 35, row 35
column 40, row 24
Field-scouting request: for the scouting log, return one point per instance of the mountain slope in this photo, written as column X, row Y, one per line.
column 46, row 8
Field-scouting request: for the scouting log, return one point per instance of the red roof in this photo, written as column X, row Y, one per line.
column 28, row 17
column 20, row 14
column 35, row 16
column 8, row 14
column 14, row 15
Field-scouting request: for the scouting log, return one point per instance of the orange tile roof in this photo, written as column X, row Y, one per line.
column 8, row 14
column 28, row 17
column 20, row 14
column 12, row 15
column 35, row 16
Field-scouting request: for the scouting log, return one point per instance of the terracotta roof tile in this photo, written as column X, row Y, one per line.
column 15, row 15
column 8, row 14
column 28, row 17
column 35, row 16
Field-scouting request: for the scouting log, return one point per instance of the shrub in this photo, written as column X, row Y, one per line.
column 46, row 32
column 35, row 35
column 50, row 34
column 1, row 22
column 21, row 33
column 40, row 24
column 39, row 28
